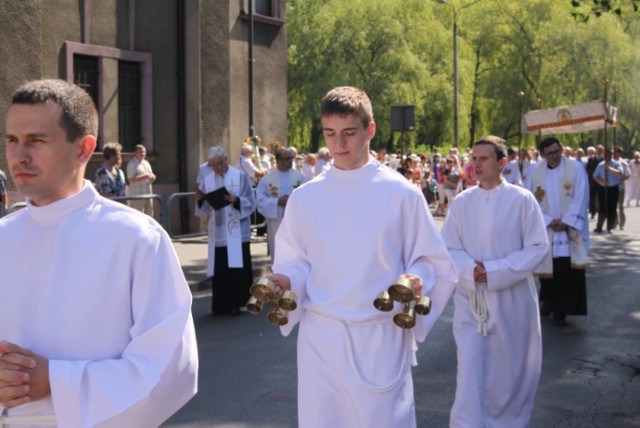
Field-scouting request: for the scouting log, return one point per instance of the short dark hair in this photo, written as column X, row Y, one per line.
column 79, row 115
column 111, row 149
column 547, row 142
column 345, row 100
column 499, row 145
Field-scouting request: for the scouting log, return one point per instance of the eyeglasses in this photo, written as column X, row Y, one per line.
column 284, row 159
column 553, row 153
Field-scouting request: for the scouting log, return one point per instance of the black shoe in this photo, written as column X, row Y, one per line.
column 545, row 310
column 609, row 231
column 597, row 230
column 559, row 320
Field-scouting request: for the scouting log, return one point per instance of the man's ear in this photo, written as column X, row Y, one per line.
column 502, row 163
column 87, row 146
column 371, row 129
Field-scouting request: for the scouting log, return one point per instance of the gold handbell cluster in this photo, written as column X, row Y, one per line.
column 401, row 291
column 263, row 291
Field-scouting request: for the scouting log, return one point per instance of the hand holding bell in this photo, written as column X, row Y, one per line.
column 265, row 291
column 403, row 291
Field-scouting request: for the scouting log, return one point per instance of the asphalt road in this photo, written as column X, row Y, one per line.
column 590, row 377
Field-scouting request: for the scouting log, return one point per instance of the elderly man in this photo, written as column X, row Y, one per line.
column 324, row 161
column 141, row 178
column 95, row 326
column 229, row 261
column 273, row 193
column 246, row 164
column 560, row 185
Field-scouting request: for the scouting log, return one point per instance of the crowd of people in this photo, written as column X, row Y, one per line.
column 342, row 224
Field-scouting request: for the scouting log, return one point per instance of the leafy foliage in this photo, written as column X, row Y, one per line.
column 513, row 57
column 584, row 9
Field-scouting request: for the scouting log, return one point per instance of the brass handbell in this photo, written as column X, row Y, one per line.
column 401, row 290
column 288, row 301
column 277, row 316
column 263, row 289
column 383, row 302
column 406, row 318
column 423, row 305
column 254, row 305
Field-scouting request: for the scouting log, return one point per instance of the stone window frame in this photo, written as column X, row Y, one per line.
column 277, row 13
column 102, row 52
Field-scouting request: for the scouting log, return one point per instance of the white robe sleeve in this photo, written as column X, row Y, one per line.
column 247, row 199
column 576, row 215
column 291, row 260
column 452, row 235
column 267, row 204
column 509, row 271
column 428, row 258
column 157, row 371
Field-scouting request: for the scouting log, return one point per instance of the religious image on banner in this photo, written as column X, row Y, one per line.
column 569, row 119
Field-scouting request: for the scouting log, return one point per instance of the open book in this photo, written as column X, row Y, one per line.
column 216, row 198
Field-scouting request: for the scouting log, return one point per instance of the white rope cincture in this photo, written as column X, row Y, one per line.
column 27, row 420
column 404, row 366
column 479, row 310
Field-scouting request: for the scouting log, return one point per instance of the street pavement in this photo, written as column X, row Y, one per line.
column 590, row 375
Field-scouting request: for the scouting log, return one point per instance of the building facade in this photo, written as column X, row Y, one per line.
column 176, row 76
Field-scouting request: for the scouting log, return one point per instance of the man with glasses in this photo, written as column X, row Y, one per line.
column 273, row 193
column 561, row 187
column 229, row 262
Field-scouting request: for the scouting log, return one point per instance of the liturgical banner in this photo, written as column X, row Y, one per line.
column 568, row 119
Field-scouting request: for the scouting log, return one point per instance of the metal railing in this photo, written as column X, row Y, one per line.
column 165, row 211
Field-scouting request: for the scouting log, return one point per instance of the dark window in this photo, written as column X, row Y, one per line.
column 86, row 74
column 129, row 100
column 267, row 11
column 263, row 7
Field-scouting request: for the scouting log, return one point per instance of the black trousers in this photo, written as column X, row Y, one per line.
column 607, row 210
column 566, row 292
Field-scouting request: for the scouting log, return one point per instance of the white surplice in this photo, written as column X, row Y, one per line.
column 273, row 185
column 576, row 215
column 226, row 223
column 345, row 237
column 96, row 287
column 498, row 373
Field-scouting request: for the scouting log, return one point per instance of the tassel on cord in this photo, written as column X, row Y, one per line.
column 479, row 309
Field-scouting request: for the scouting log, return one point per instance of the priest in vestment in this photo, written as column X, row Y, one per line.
column 345, row 237
column 274, row 190
column 496, row 236
column 229, row 262
column 561, row 188
column 95, row 308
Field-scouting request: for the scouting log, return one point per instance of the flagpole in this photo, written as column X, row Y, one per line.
column 606, row 175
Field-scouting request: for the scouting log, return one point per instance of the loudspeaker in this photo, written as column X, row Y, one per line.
column 403, row 118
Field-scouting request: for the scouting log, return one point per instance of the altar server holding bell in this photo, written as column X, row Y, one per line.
column 345, row 237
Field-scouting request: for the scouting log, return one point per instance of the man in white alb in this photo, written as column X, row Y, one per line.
column 496, row 322
column 273, row 192
column 345, row 237
column 511, row 172
column 95, row 326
